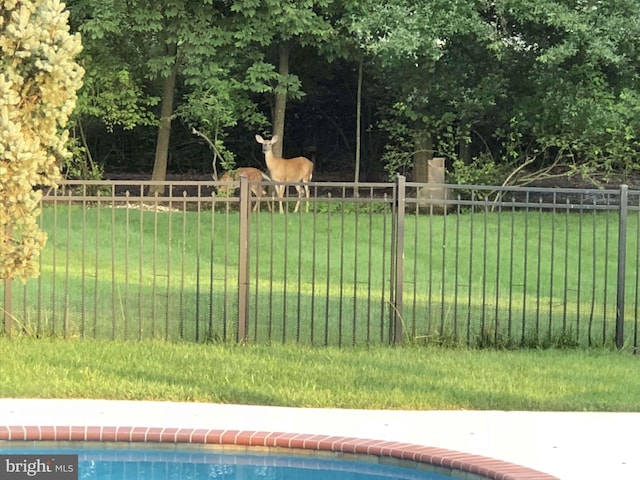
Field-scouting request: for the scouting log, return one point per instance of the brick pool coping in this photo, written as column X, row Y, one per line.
column 485, row 467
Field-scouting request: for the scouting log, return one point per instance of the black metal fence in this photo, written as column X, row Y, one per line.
column 372, row 263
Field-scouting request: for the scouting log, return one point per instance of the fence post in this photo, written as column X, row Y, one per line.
column 7, row 307
column 398, row 258
column 622, row 260
column 243, row 260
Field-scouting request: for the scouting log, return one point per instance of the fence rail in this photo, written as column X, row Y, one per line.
column 370, row 263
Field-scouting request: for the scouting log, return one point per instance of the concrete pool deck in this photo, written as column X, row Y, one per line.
column 569, row 446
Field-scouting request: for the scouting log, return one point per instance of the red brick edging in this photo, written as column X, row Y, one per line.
column 483, row 466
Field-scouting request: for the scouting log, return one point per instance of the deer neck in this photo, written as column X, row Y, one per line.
column 270, row 160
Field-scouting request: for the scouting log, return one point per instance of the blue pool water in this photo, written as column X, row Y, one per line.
column 159, row 464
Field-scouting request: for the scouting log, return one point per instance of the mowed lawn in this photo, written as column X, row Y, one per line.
column 414, row 378
column 525, row 278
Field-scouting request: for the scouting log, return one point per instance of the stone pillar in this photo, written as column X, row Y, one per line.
column 431, row 198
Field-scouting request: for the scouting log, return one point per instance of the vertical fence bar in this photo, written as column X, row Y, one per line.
column 622, row 259
column 552, row 267
column 511, row 283
column 65, row 321
column 354, row 315
column 285, row 269
column 243, row 260
column 54, row 275
column 254, row 242
column 328, row 281
column 383, row 293
column 538, row 271
column 430, row 275
column 40, row 281
column 225, row 280
column 314, row 252
column 637, row 284
column 525, row 270
column 341, row 277
column 496, row 320
column 154, row 266
column 369, row 269
column 456, row 273
column 212, row 268
column 606, row 271
column 271, row 256
column 398, row 259
column 114, row 286
column 141, row 251
column 299, row 289
column 127, row 229
column 7, row 307
column 198, row 216
column 579, row 283
column 565, row 289
column 594, row 266
column 443, row 269
column 470, row 277
column 415, row 266
column 181, row 326
column 169, row 273
column 483, row 329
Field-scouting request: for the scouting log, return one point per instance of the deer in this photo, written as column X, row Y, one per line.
column 298, row 169
column 253, row 175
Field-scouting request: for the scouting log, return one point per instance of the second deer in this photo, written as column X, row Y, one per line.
column 298, row 169
column 253, row 175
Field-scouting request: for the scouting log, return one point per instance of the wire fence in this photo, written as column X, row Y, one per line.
column 368, row 263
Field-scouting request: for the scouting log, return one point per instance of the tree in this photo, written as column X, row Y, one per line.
column 578, row 103
column 188, row 56
column 114, row 94
column 145, row 43
column 38, row 85
column 431, row 56
column 283, row 26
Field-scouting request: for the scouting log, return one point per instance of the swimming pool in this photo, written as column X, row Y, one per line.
column 384, row 436
column 143, row 462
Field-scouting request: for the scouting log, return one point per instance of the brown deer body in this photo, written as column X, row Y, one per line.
column 253, row 175
column 298, row 169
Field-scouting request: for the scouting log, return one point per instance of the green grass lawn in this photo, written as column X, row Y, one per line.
column 414, row 378
column 503, row 278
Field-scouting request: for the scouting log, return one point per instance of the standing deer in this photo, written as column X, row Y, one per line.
column 298, row 169
column 253, row 175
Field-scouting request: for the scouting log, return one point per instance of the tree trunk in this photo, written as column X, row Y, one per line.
column 281, row 98
column 358, row 124
column 164, row 129
column 423, row 152
column 464, row 150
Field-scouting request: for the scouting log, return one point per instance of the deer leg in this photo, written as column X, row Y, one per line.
column 256, row 192
column 299, row 189
column 280, row 193
column 264, row 194
column 306, row 191
column 257, row 201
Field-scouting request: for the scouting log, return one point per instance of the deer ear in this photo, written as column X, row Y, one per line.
column 259, row 139
column 274, row 139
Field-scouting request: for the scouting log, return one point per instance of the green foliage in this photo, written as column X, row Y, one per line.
column 580, row 79
column 453, row 70
column 79, row 165
column 38, row 84
column 114, row 98
column 483, row 170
